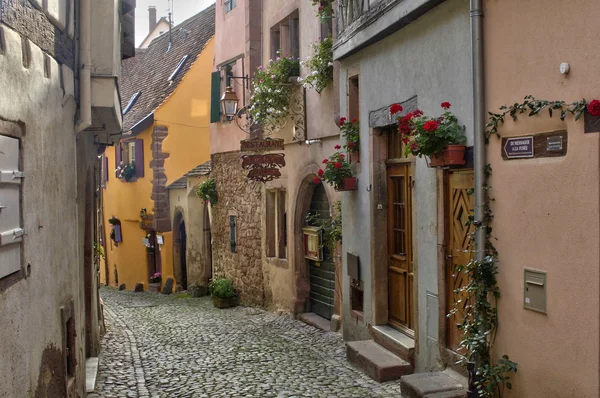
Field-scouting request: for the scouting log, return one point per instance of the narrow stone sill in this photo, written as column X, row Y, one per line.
column 91, row 374
column 396, row 336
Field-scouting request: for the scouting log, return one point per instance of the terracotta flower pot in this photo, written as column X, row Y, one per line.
column 451, row 155
column 349, row 184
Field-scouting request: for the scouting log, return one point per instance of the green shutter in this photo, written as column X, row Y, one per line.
column 215, row 97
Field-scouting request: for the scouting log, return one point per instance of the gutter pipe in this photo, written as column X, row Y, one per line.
column 85, row 77
column 479, row 147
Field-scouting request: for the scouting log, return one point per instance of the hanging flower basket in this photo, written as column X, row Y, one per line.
column 451, row 155
column 348, row 184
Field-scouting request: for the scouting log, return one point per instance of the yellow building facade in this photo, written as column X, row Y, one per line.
column 166, row 134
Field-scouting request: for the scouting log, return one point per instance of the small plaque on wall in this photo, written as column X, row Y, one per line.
column 543, row 145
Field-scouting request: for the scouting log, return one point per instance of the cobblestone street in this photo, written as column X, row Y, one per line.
column 174, row 346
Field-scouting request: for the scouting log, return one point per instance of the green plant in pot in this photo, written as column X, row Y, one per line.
column 337, row 172
column 441, row 138
column 222, row 292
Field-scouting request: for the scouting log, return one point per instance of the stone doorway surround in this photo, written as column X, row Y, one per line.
column 177, row 246
column 300, row 206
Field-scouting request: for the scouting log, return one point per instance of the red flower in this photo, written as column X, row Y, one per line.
column 351, row 145
column 342, row 155
column 338, row 165
column 594, row 108
column 407, row 118
column 446, row 105
column 414, row 146
column 418, row 113
column 320, row 172
column 317, row 180
column 395, row 108
column 354, row 120
column 430, row 125
column 405, row 140
column 342, row 121
column 325, row 161
column 337, row 147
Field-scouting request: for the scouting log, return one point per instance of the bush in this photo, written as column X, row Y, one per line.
column 207, row 191
column 222, row 288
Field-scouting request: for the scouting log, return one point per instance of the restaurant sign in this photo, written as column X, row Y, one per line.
column 263, row 167
column 261, row 145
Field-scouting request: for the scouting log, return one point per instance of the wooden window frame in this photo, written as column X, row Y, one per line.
column 276, row 224
column 285, row 36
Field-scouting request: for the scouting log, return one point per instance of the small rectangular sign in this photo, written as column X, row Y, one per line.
column 519, row 147
column 159, row 239
column 554, row 143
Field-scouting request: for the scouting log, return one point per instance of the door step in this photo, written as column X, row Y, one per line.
column 317, row 321
column 394, row 341
column 431, row 385
column 375, row 361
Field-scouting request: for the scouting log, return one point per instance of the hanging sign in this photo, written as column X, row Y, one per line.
column 263, row 167
column 518, row 147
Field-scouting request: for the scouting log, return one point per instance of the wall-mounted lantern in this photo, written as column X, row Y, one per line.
column 229, row 103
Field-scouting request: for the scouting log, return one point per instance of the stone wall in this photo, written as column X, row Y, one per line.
column 241, row 198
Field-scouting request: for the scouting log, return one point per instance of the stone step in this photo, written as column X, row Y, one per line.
column 394, row 341
column 431, row 385
column 91, row 374
column 377, row 362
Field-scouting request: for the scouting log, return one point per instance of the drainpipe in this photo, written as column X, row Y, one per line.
column 85, row 77
column 478, row 146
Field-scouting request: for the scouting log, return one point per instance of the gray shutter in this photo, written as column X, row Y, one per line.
column 215, row 97
column 139, row 158
column 11, row 233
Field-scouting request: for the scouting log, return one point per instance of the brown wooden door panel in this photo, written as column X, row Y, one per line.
column 460, row 205
column 400, row 258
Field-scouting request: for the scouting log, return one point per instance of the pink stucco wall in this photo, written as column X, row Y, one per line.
column 546, row 210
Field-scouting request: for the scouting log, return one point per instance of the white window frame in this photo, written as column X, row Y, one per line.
column 131, row 151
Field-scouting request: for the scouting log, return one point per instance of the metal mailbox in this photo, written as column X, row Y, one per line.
column 313, row 243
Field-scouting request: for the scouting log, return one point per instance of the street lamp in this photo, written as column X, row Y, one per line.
column 229, row 103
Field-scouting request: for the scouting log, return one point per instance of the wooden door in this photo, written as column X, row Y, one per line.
column 400, row 256
column 460, row 205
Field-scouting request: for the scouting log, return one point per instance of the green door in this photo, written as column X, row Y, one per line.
column 322, row 274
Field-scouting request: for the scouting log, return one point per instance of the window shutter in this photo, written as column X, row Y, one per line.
column 104, row 169
column 117, row 155
column 139, row 158
column 215, row 97
column 11, row 232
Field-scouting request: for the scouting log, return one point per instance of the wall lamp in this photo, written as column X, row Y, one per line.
column 229, row 100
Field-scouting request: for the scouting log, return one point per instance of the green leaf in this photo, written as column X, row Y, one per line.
column 508, row 385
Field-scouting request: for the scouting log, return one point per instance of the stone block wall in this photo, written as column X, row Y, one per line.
column 241, row 198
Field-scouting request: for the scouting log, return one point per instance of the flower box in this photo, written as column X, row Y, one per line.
column 349, row 184
column 451, row 155
column 224, row 303
column 154, row 287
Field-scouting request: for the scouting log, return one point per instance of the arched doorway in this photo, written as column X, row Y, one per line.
column 182, row 254
column 321, row 274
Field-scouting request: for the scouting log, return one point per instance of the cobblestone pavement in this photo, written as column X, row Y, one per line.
column 172, row 346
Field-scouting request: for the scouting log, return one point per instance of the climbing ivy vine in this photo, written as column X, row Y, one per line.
column 480, row 315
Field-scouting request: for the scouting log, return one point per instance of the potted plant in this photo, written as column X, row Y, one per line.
column 320, row 66
column 270, row 99
column 350, row 131
column 125, row 172
column 154, row 284
column 337, row 172
column 222, row 292
column 207, row 191
column 441, row 139
column 324, row 10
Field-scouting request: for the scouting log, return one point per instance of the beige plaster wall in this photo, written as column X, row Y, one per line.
column 546, row 210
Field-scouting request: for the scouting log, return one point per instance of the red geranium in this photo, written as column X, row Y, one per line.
column 446, row 105
column 418, row 113
column 395, row 108
column 350, row 145
column 354, row 120
column 325, row 161
column 338, row 165
column 337, row 147
column 593, row 108
column 317, row 180
column 342, row 121
column 321, row 172
column 430, row 125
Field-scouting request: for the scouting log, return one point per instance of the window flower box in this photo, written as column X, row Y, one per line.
column 451, row 155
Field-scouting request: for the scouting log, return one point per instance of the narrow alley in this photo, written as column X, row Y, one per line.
column 174, row 346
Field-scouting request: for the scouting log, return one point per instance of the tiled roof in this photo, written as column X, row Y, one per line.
column 148, row 72
column 201, row 170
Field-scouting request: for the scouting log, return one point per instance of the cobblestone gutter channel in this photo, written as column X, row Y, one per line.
column 165, row 346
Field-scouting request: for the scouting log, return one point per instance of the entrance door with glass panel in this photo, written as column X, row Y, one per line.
column 400, row 255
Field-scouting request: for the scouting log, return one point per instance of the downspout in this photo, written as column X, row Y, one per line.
column 479, row 147
column 85, row 77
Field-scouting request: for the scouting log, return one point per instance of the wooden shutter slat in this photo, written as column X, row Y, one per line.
column 105, row 169
column 139, row 158
column 215, row 97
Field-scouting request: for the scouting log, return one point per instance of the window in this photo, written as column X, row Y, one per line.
column 11, row 232
column 285, row 36
column 229, row 5
column 131, row 151
column 276, row 224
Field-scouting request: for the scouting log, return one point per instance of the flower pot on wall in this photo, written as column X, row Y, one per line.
column 451, row 155
column 349, row 184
